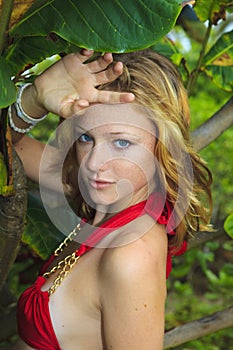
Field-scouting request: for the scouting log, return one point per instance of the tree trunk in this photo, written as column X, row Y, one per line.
column 12, row 219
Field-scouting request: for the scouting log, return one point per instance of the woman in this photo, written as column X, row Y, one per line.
column 138, row 184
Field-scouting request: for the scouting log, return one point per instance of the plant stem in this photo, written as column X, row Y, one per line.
column 196, row 71
column 7, row 6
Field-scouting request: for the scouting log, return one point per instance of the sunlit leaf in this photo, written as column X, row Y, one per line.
column 221, row 54
column 213, row 9
column 228, row 225
column 19, row 8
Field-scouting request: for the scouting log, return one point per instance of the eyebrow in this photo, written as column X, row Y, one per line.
column 79, row 127
column 115, row 133
column 123, row 133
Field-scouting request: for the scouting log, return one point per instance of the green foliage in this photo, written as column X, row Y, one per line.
column 50, row 27
column 218, row 62
column 211, row 10
column 40, row 234
column 7, row 87
column 201, row 284
column 228, row 225
column 201, row 281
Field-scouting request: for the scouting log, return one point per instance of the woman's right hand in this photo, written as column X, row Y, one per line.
column 69, row 86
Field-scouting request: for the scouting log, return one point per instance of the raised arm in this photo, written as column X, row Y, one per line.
column 66, row 88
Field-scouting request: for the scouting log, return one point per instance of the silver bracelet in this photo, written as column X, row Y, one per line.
column 14, row 127
column 19, row 109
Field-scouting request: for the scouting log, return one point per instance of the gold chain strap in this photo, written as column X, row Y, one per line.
column 67, row 240
column 64, row 265
column 69, row 262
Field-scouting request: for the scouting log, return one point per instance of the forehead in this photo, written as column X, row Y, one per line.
column 121, row 116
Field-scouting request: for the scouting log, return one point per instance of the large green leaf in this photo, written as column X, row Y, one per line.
column 116, row 26
column 7, row 87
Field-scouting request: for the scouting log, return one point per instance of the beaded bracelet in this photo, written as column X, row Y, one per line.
column 14, row 127
column 19, row 109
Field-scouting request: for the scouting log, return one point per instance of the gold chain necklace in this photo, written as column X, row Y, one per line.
column 64, row 265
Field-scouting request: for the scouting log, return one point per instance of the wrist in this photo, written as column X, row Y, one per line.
column 30, row 102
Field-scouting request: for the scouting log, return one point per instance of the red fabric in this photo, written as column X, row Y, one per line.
column 34, row 322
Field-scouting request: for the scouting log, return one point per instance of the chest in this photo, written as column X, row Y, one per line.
column 75, row 305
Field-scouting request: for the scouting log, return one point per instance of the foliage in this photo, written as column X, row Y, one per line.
column 204, row 275
column 50, row 27
column 228, row 225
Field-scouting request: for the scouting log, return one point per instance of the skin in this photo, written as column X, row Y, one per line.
column 112, row 298
column 115, row 158
column 66, row 88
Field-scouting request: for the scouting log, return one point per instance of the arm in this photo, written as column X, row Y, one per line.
column 134, row 292
column 66, row 88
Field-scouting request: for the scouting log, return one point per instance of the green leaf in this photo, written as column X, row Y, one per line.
column 221, row 53
column 228, row 225
column 221, row 76
column 165, row 47
column 40, row 234
column 116, row 26
column 204, row 8
column 7, row 87
column 212, row 10
column 218, row 62
column 212, row 277
column 31, row 50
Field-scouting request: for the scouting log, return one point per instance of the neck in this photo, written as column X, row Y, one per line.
column 103, row 213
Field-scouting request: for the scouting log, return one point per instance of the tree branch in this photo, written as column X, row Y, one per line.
column 194, row 75
column 12, row 218
column 213, row 127
column 202, row 237
column 199, row 328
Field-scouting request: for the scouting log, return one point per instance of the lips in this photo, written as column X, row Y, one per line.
column 100, row 183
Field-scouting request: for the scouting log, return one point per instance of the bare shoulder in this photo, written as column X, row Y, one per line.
column 133, row 292
column 145, row 255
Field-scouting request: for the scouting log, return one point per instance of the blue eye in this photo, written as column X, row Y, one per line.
column 122, row 143
column 85, row 138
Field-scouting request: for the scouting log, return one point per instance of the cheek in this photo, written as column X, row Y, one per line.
column 139, row 172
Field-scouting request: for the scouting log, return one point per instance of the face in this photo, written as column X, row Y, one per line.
column 115, row 155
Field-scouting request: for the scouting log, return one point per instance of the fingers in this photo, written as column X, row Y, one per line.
column 108, row 75
column 110, row 97
column 100, row 64
column 83, row 55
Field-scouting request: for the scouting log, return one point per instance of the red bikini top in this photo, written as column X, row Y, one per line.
column 34, row 322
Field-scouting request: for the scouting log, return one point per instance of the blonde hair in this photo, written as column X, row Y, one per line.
column 157, row 86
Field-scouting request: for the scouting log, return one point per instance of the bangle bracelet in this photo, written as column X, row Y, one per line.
column 19, row 109
column 14, row 127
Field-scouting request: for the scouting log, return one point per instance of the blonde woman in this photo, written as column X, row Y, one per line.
column 138, row 186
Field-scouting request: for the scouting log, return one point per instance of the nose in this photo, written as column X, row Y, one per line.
column 98, row 158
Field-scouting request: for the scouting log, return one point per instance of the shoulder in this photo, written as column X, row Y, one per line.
column 142, row 259
column 133, row 292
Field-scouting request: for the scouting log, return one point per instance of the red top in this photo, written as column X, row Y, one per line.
column 34, row 322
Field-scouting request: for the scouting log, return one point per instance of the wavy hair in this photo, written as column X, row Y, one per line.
column 157, row 86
